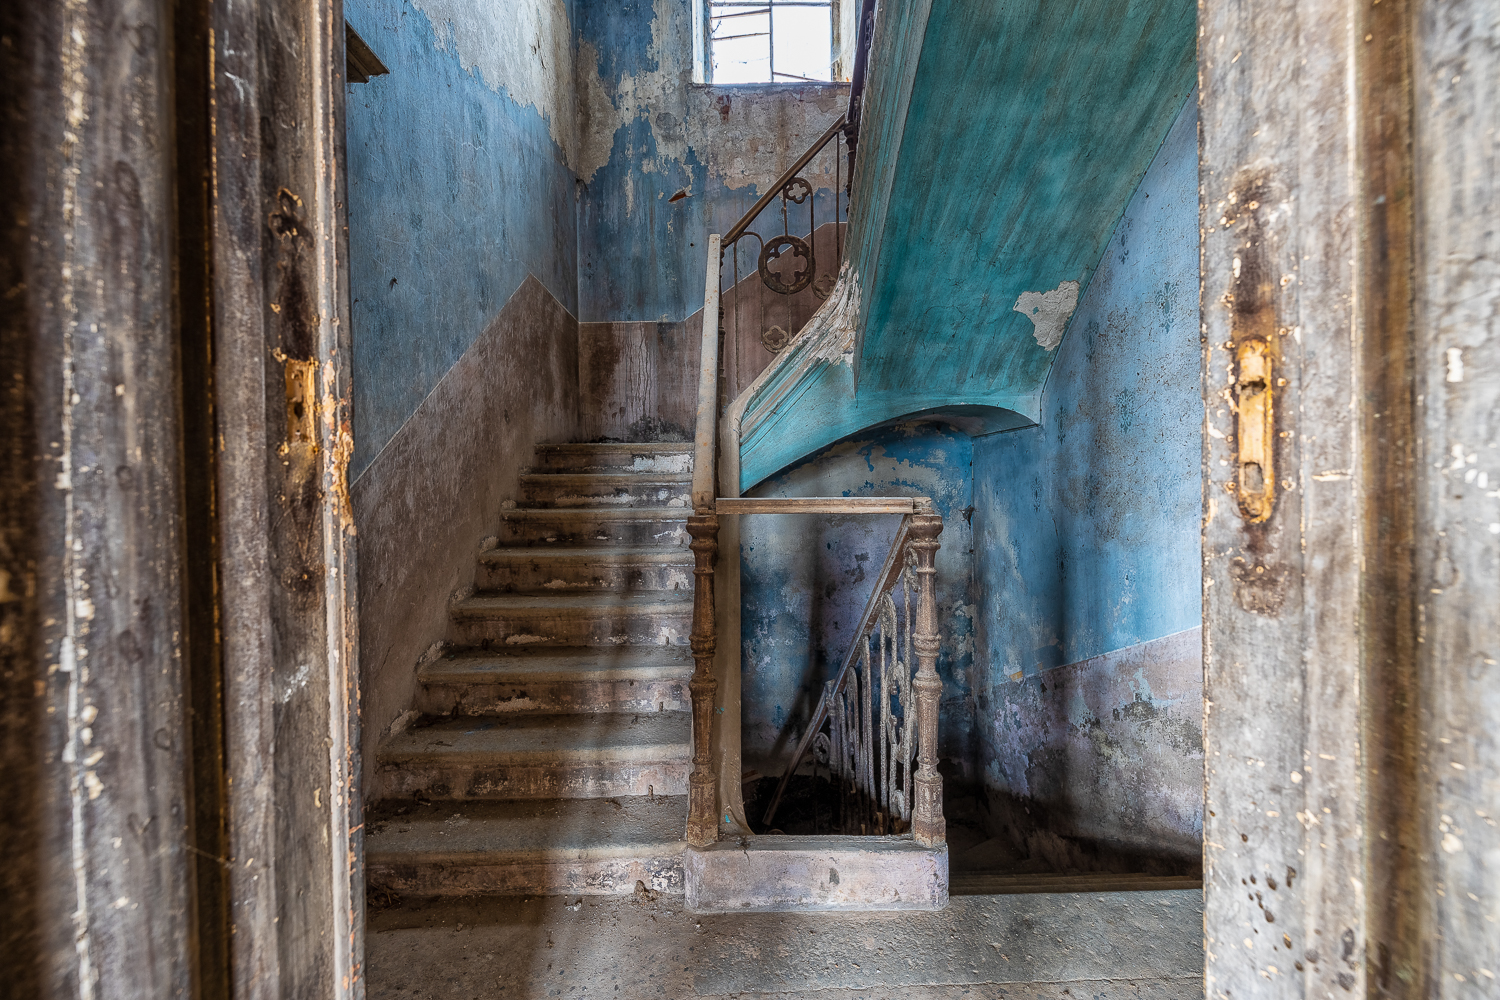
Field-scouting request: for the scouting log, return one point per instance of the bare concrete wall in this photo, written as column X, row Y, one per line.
column 434, row 492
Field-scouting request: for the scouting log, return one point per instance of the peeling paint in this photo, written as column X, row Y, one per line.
column 1049, row 312
column 506, row 44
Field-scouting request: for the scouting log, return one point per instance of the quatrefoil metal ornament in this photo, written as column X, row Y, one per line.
column 774, row 339
column 796, row 190
column 784, row 250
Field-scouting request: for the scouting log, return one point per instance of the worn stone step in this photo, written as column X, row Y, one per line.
column 605, row 489
column 604, row 527
column 662, row 618
column 620, row 568
column 553, row 679
column 640, row 456
column 585, row 846
column 538, row 757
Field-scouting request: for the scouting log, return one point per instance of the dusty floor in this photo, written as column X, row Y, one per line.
column 1057, row 946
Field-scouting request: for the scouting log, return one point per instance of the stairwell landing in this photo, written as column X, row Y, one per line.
column 552, row 750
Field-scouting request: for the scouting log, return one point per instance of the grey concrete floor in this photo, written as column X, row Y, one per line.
column 1051, row 946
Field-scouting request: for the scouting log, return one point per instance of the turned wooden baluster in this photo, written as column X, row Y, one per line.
column 703, row 817
column 927, row 823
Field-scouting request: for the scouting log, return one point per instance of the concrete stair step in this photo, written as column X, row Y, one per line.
column 662, row 618
column 538, row 757
column 562, row 568
column 643, row 456
column 604, row 527
column 585, row 846
column 552, row 679
column 606, row 489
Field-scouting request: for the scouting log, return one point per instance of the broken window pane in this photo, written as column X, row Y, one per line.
column 765, row 41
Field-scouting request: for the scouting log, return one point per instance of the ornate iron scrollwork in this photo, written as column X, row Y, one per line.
column 780, row 254
column 797, row 190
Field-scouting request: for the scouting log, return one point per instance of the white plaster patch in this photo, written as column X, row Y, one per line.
column 400, row 722
column 1049, row 312
column 522, row 46
column 663, row 463
column 745, row 138
column 1455, row 364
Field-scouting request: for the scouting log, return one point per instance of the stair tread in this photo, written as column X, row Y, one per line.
column 482, row 604
column 545, row 739
column 661, row 513
column 643, row 447
column 559, row 663
column 611, row 478
column 548, row 829
column 600, row 554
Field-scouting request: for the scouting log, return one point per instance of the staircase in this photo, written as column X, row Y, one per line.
column 554, row 745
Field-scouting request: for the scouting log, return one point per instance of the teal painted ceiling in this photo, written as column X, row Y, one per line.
column 1001, row 143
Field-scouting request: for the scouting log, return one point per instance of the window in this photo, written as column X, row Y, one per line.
column 776, row 41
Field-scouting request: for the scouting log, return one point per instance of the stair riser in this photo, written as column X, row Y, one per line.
column 576, row 575
column 543, row 491
column 573, row 628
column 598, row 780
column 555, row 697
column 611, row 460
column 601, row 531
column 607, row 877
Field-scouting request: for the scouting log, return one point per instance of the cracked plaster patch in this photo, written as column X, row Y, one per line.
column 1049, row 312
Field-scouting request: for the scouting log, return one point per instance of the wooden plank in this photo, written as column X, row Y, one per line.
column 1456, row 48
column 282, row 356
column 97, row 808
column 820, row 505
column 1284, row 850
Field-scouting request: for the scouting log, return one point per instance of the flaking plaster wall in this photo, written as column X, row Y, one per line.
column 1087, row 564
column 806, row 578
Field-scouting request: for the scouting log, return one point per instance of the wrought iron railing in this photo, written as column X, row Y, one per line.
column 878, row 714
column 786, row 262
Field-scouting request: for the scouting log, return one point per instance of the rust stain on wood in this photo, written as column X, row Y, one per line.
column 1255, row 338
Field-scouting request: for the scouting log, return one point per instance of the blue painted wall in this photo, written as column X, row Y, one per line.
column 456, row 193
column 805, row 580
column 1086, row 526
column 648, row 132
column 460, row 183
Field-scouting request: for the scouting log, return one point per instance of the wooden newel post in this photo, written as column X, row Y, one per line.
column 927, row 823
column 703, row 813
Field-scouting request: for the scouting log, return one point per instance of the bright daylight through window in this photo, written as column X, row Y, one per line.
column 772, row 41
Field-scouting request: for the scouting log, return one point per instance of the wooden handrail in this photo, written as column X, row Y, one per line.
column 739, row 228
column 703, row 526
column 705, row 437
